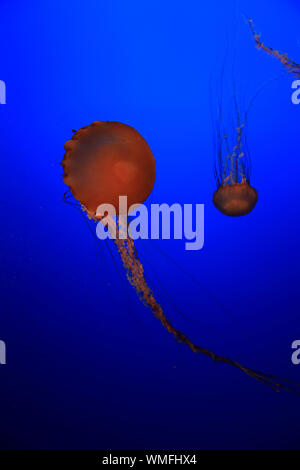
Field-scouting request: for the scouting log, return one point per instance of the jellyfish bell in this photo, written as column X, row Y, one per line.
column 106, row 160
column 235, row 200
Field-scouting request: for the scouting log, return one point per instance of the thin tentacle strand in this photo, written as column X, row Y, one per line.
column 290, row 65
column 135, row 274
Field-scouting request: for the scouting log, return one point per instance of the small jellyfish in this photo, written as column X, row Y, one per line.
column 234, row 195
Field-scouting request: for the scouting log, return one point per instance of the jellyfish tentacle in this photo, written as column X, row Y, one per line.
column 290, row 65
column 135, row 275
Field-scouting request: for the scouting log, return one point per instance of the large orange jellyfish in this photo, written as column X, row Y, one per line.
column 104, row 161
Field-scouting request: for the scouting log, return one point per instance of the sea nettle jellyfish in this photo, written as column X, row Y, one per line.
column 234, row 196
column 104, row 161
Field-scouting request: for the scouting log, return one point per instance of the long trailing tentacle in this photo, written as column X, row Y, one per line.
column 135, row 275
column 290, row 65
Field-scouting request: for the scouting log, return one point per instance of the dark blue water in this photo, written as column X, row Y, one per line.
column 80, row 372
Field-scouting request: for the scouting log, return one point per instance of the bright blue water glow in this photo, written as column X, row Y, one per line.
column 80, row 373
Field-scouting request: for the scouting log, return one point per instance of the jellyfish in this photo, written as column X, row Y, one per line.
column 290, row 65
column 234, row 196
column 103, row 161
